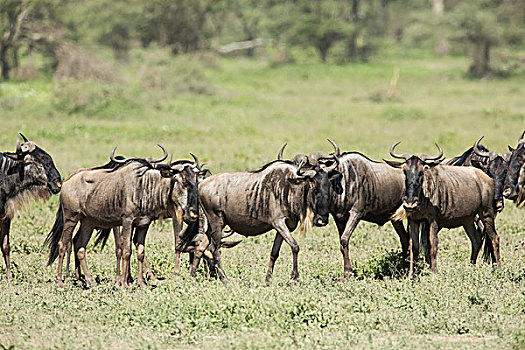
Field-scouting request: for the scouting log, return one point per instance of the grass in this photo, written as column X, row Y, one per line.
column 235, row 115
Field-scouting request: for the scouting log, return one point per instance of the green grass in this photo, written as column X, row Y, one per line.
column 235, row 115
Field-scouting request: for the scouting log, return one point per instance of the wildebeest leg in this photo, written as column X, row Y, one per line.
column 118, row 251
column 84, row 234
column 197, row 254
column 218, row 264
column 490, row 230
column 413, row 230
column 433, row 230
column 285, row 233
column 475, row 240
column 403, row 236
column 177, row 226
column 344, row 237
column 126, row 251
column 140, row 239
column 69, row 225
column 4, row 239
column 277, row 242
column 68, row 258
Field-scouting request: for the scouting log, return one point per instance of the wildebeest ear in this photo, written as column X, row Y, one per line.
column 201, row 174
column 12, row 155
column 511, row 149
column 506, row 156
column 394, row 163
column 28, row 147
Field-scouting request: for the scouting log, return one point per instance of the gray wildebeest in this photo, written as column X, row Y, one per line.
column 445, row 196
column 279, row 196
column 515, row 172
column 28, row 172
column 493, row 164
column 132, row 195
column 369, row 190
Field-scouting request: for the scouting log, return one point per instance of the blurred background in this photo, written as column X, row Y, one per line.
column 233, row 80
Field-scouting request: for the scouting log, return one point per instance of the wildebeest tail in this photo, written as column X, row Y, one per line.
column 188, row 234
column 488, row 249
column 102, row 237
column 53, row 238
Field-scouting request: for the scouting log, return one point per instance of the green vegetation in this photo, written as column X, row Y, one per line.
column 235, row 115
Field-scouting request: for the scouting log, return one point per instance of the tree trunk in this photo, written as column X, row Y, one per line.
column 4, row 62
column 351, row 46
column 438, row 6
column 480, row 59
column 442, row 46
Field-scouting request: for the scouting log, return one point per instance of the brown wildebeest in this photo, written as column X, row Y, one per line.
column 278, row 196
column 367, row 190
column 28, row 172
column 132, row 195
column 493, row 164
column 445, row 196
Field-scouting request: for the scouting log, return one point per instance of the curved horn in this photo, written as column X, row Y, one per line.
column 171, row 160
column 195, row 159
column 478, row 151
column 161, row 159
column 333, row 166
column 425, row 157
column 404, row 156
column 18, row 146
column 280, row 154
column 26, row 140
column 112, row 157
column 336, row 148
column 521, row 137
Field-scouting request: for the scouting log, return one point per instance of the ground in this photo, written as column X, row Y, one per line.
column 235, row 115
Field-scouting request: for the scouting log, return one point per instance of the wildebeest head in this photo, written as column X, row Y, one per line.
column 38, row 164
column 184, row 192
column 321, row 169
column 414, row 168
column 517, row 159
column 494, row 166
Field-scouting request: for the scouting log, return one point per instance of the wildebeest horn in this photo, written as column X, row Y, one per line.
column 195, row 159
column 280, row 154
column 478, row 151
column 161, row 159
column 307, row 173
column 426, row 157
column 521, row 137
column 171, row 160
column 26, row 140
column 18, row 146
column 336, row 148
column 404, row 156
column 112, row 157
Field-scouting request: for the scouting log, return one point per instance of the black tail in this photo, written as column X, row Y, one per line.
column 53, row 238
column 102, row 237
column 424, row 239
column 188, row 234
column 488, row 249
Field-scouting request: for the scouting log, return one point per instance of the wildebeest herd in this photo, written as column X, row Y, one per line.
column 127, row 194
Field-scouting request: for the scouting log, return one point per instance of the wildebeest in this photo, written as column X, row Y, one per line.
column 493, row 164
column 515, row 170
column 445, row 196
column 132, row 195
column 368, row 190
column 28, row 172
column 278, row 196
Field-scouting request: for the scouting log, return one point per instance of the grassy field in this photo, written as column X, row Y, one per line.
column 235, row 115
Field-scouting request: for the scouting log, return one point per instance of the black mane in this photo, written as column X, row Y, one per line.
column 265, row 166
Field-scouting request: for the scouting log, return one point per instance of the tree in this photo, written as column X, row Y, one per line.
column 13, row 14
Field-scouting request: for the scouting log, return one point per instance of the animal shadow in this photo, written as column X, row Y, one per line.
column 392, row 265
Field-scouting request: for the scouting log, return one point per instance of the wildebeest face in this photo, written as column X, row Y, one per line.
column 497, row 170
column 414, row 171
column 517, row 160
column 184, row 188
column 414, row 168
column 39, row 164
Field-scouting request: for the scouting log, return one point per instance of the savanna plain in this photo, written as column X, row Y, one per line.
column 235, row 114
